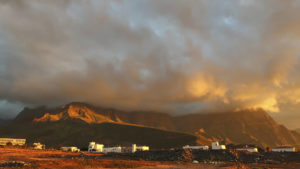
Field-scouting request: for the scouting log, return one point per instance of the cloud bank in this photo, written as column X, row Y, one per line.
column 175, row 56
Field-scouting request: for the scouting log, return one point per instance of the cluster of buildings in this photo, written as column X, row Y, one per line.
column 99, row 148
column 214, row 146
column 251, row 149
column 284, row 149
column 196, row 147
column 20, row 142
column 12, row 141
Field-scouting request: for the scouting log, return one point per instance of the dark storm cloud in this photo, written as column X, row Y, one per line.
column 175, row 56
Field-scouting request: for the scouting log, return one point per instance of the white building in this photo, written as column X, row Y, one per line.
column 216, row 146
column 139, row 148
column 196, row 147
column 112, row 150
column 70, row 149
column 284, row 149
column 39, row 146
column 95, row 147
column 249, row 149
column 142, row 148
column 12, row 141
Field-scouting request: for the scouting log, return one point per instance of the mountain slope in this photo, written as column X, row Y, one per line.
column 255, row 127
column 79, row 133
column 4, row 122
column 244, row 127
column 76, row 125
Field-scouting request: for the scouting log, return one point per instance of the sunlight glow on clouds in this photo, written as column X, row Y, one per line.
column 196, row 56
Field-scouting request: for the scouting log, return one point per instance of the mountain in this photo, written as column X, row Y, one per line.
column 78, row 133
column 243, row 127
column 4, row 122
column 74, row 125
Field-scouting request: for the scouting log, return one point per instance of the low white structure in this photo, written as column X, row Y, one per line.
column 284, row 149
column 70, row 149
column 196, row 147
column 142, row 148
column 139, row 148
column 112, row 150
column 39, row 146
column 95, row 147
column 12, row 141
column 217, row 146
column 249, row 149
column 133, row 148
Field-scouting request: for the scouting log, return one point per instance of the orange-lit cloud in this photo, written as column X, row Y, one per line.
column 175, row 56
column 204, row 87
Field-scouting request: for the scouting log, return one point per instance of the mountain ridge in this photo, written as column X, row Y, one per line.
column 246, row 127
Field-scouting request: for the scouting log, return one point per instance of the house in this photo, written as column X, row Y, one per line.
column 70, row 149
column 12, row 141
column 112, row 150
column 142, row 148
column 196, row 147
column 39, row 146
column 95, row 147
column 139, row 148
column 284, row 149
column 99, row 148
column 249, row 149
column 217, row 146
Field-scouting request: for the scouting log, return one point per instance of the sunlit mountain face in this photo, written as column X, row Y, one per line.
column 66, row 122
column 173, row 56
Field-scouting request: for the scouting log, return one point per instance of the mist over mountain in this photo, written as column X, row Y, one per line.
column 243, row 127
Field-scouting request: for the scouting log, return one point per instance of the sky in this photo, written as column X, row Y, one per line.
column 180, row 57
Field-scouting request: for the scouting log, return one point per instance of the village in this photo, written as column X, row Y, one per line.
column 213, row 155
column 94, row 147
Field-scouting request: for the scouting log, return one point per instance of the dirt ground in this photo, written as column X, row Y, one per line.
column 28, row 158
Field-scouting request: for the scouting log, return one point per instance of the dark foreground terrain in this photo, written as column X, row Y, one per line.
column 28, row 158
